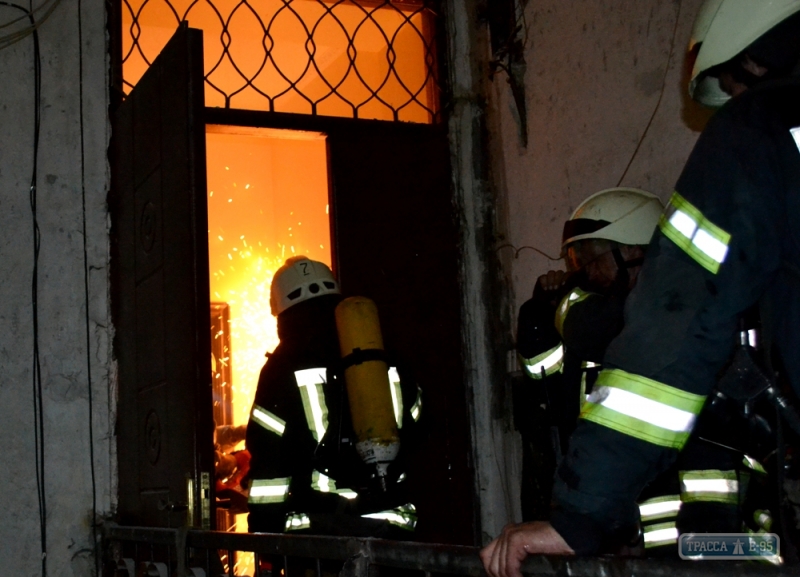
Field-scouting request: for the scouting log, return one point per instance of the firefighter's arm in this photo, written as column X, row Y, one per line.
column 538, row 343
column 715, row 252
column 591, row 324
column 596, row 486
column 270, row 434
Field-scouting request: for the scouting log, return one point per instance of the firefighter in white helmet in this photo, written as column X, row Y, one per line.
column 564, row 328
column 727, row 241
column 305, row 473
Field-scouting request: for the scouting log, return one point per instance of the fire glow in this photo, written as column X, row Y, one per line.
column 267, row 201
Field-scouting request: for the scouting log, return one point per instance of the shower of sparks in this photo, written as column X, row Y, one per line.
column 241, row 275
column 252, row 327
column 245, row 562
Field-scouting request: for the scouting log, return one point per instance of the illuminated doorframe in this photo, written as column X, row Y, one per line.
column 476, row 277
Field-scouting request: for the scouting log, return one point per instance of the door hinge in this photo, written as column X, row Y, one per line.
column 205, row 500
column 199, row 517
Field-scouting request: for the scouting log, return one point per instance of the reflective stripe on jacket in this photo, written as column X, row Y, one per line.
column 642, row 408
column 544, row 364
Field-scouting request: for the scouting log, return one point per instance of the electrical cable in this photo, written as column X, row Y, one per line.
column 25, row 16
column 86, row 297
column 660, row 96
column 38, row 412
column 36, row 22
column 520, row 249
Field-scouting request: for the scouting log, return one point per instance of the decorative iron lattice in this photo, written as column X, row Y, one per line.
column 355, row 58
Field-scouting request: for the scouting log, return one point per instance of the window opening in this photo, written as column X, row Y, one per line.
column 267, row 201
column 370, row 59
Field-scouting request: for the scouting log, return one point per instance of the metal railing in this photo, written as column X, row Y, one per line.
column 135, row 551
column 152, row 552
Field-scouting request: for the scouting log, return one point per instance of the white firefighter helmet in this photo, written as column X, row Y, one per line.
column 725, row 28
column 623, row 215
column 298, row 280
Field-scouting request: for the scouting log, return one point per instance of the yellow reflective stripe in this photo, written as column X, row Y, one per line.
column 263, row 491
column 586, row 366
column 582, row 397
column 397, row 396
column 660, row 534
column 697, row 236
column 310, row 382
column 642, row 408
column 544, row 364
column 269, row 421
column 753, row 465
column 404, row 516
column 324, row 484
column 574, row 296
column 296, row 522
column 416, row 408
column 662, row 507
column 710, row 485
column 763, row 519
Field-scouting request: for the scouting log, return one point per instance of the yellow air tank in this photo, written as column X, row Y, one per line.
column 367, row 380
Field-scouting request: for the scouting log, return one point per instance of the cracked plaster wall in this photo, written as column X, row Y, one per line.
column 594, row 75
column 62, row 305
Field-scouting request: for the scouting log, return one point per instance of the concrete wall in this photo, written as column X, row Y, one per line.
column 596, row 72
column 62, row 309
column 495, row 446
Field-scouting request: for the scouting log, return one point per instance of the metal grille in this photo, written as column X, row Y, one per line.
column 356, row 58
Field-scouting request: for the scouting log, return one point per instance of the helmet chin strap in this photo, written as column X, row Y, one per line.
column 623, row 277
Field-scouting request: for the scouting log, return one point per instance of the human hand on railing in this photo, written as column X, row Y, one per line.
column 504, row 556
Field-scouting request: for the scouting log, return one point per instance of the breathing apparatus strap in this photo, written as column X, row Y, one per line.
column 359, row 356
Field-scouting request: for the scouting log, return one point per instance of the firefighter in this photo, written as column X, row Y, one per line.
column 725, row 243
column 305, row 473
column 603, row 245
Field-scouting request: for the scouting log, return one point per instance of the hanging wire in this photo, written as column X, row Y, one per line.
column 38, row 412
column 660, row 96
column 95, row 544
column 36, row 16
column 520, row 249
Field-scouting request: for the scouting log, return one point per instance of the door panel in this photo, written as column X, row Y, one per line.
column 160, row 287
column 396, row 242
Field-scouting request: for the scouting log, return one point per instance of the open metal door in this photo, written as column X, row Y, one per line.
column 397, row 242
column 160, row 292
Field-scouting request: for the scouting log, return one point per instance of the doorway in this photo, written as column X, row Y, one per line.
column 392, row 236
column 268, row 200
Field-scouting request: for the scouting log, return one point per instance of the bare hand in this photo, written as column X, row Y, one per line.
column 503, row 556
column 553, row 280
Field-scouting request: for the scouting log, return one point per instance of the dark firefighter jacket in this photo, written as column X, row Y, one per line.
column 305, row 473
column 727, row 240
column 561, row 341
